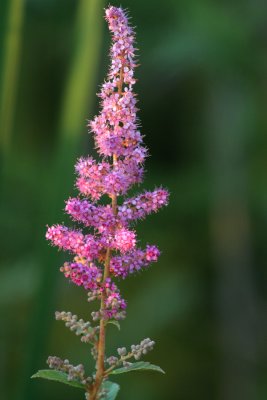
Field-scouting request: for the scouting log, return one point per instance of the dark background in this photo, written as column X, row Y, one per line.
column 202, row 90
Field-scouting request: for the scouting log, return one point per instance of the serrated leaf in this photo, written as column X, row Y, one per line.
column 138, row 366
column 112, row 390
column 58, row 376
column 114, row 322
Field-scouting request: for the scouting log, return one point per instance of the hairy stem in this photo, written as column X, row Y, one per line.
column 100, row 368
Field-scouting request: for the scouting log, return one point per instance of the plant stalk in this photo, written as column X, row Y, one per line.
column 100, row 370
column 102, row 337
column 100, row 367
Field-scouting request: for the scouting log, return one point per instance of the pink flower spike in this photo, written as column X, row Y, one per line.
column 99, row 217
column 105, row 247
column 135, row 260
column 73, row 241
column 83, row 274
column 144, row 204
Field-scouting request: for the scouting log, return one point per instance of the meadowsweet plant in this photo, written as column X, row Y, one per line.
column 105, row 248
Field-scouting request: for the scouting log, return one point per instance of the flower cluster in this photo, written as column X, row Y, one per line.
column 114, row 305
column 142, row 205
column 136, row 352
column 75, row 373
column 126, row 264
column 116, row 128
column 78, row 326
column 74, row 241
column 82, row 273
column 116, row 133
column 102, row 218
column 144, row 347
column 99, row 217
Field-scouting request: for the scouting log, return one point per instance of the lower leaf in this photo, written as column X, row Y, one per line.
column 58, row 376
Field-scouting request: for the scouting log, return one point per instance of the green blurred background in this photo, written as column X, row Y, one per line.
column 202, row 86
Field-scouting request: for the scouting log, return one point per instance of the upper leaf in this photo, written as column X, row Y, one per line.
column 58, row 376
column 141, row 365
column 114, row 322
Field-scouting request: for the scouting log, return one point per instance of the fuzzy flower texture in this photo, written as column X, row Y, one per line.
column 108, row 232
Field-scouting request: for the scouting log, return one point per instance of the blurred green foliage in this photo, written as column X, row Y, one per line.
column 202, row 91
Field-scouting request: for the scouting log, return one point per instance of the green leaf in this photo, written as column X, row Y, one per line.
column 112, row 390
column 141, row 365
column 58, row 376
column 114, row 322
